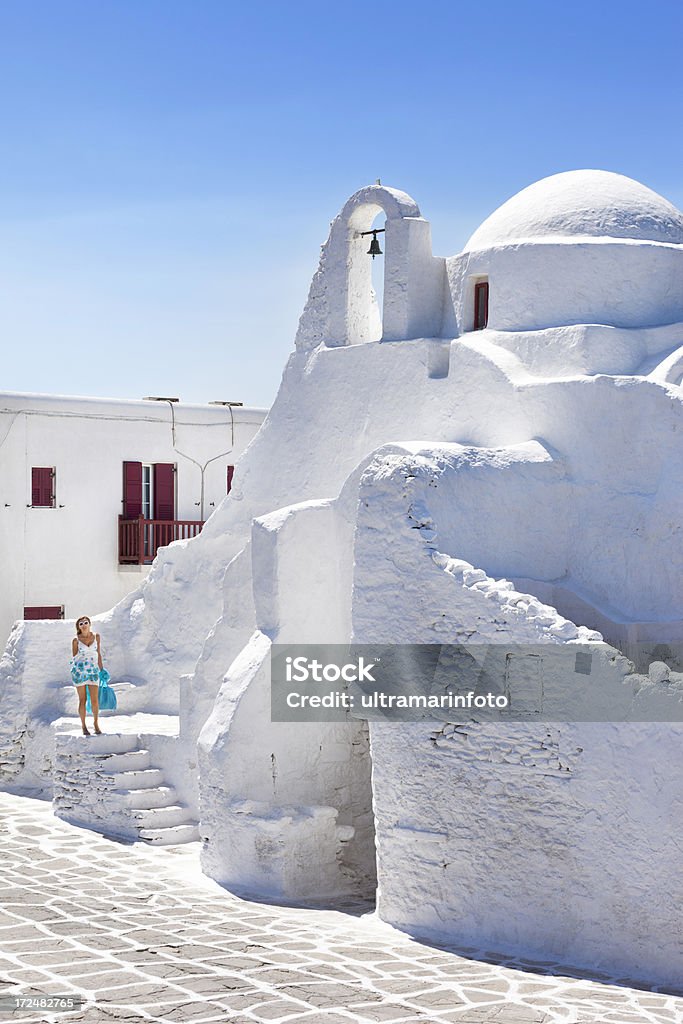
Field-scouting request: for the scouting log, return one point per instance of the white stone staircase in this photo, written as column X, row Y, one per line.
column 108, row 783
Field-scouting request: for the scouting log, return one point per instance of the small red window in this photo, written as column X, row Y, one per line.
column 43, row 487
column 231, row 473
column 481, row 305
column 44, row 611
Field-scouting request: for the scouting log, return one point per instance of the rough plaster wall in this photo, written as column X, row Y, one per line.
column 267, row 818
column 13, row 722
column 302, row 572
column 445, row 483
column 352, row 399
column 642, row 642
column 627, row 499
column 306, row 786
column 302, row 593
column 162, row 625
column 535, row 285
column 667, row 370
column 414, row 280
column 559, row 842
column 355, row 399
column 585, row 348
column 399, row 536
column 626, row 554
column 198, row 689
column 621, row 549
column 295, row 559
column 548, row 839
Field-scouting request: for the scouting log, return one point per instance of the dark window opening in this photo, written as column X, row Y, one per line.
column 481, row 305
column 44, row 611
column 231, row 473
column 43, row 487
column 149, row 492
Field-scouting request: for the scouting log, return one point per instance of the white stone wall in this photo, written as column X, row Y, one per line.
column 540, row 284
column 289, row 815
column 582, row 349
column 556, row 842
column 550, row 840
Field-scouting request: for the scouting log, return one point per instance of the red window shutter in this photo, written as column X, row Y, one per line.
column 44, row 612
column 164, row 491
column 132, row 490
column 42, row 490
column 481, row 305
column 231, row 473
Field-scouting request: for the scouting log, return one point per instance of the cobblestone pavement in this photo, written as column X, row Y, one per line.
column 143, row 936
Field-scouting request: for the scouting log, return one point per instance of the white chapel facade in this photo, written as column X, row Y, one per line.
column 494, row 460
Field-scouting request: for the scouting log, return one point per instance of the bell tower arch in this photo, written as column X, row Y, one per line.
column 340, row 308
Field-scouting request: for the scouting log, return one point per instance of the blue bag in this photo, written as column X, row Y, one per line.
column 106, row 696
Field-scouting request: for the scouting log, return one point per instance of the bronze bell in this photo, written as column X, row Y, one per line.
column 374, row 249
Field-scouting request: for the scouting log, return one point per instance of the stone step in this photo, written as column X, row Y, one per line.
column 161, row 817
column 108, row 743
column 138, row 778
column 129, row 760
column 188, row 833
column 144, row 799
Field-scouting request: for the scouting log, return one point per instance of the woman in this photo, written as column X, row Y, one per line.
column 85, row 669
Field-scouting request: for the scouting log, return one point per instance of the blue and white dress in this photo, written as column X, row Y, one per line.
column 85, row 670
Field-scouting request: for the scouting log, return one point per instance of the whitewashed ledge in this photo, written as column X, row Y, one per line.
column 114, row 724
column 111, row 783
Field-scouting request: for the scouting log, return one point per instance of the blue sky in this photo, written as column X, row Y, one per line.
column 169, row 169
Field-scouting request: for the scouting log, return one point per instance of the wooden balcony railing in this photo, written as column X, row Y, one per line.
column 140, row 539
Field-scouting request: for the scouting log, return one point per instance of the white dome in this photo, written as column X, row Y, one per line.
column 588, row 203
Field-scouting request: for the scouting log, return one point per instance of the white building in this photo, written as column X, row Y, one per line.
column 506, row 433
column 92, row 487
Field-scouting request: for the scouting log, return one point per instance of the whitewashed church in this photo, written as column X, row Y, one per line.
column 495, row 458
